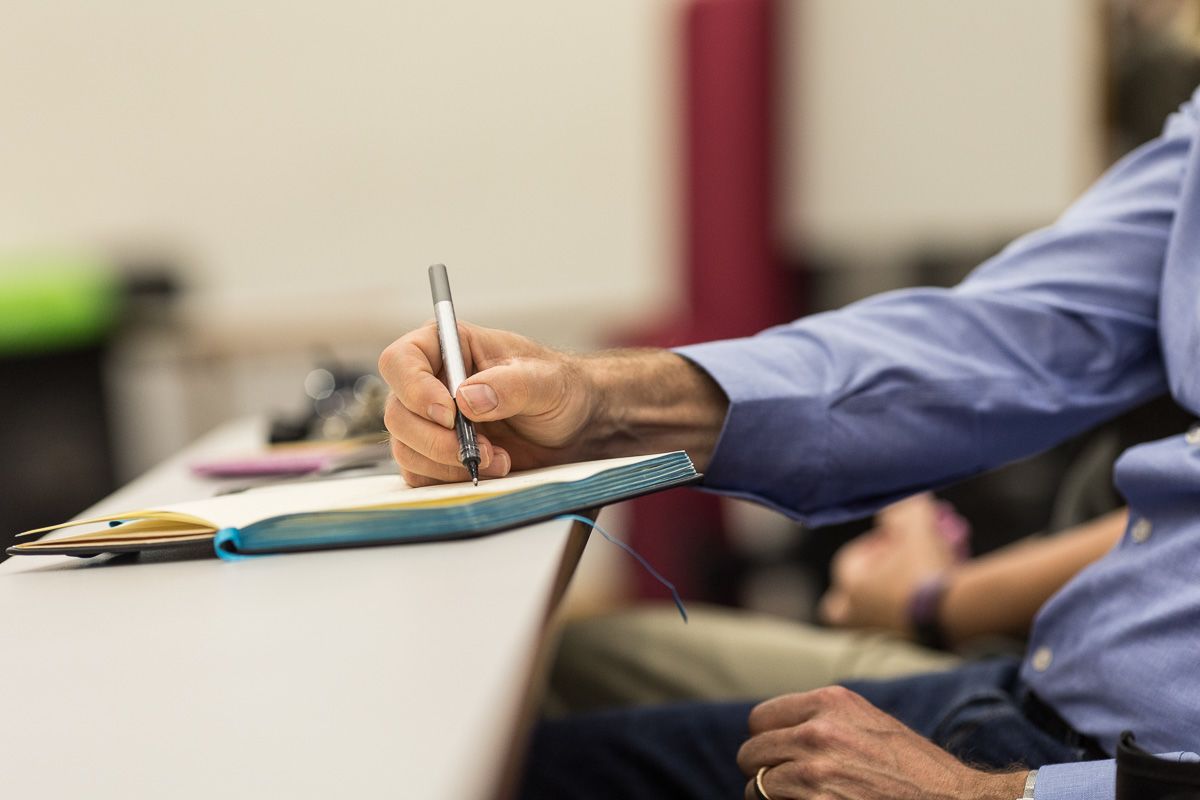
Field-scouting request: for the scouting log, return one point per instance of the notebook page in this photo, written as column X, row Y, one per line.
column 244, row 509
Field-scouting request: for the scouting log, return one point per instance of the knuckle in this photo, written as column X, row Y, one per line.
column 403, row 455
column 769, row 706
column 835, row 695
column 430, row 445
column 451, row 474
column 817, row 732
column 744, row 761
column 397, row 355
column 426, row 443
column 389, row 358
column 758, row 715
column 392, row 413
column 406, row 352
column 417, row 469
column 801, row 735
column 413, row 479
column 815, row 770
column 410, row 394
column 440, row 446
column 524, row 369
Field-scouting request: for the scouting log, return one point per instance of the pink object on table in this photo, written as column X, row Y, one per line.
column 300, row 462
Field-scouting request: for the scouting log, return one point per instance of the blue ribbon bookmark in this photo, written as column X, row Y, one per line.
column 645, row 564
column 228, row 536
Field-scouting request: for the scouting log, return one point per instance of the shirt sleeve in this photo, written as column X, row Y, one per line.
column 837, row 414
column 1085, row 780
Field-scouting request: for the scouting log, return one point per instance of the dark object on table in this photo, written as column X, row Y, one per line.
column 342, row 404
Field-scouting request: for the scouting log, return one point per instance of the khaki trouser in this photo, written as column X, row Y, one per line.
column 648, row 655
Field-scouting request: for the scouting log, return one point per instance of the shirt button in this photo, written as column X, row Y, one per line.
column 1042, row 658
column 1193, row 435
column 1141, row 530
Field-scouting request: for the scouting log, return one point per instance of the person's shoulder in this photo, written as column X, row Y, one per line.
column 1185, row 121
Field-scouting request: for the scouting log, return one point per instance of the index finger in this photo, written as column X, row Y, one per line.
column 418, row 349
column 789, row 710
column 410, row 366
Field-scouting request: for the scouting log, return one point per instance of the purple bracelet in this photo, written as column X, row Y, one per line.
column 923, row 608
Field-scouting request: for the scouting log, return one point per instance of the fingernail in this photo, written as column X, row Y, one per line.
column 441, row 415
column 480, row 397
column 501, row 463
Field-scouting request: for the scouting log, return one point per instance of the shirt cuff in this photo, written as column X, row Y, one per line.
column 760, row 377
column 1086, row 780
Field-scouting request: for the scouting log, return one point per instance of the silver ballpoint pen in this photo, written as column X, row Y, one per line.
column 452, row 362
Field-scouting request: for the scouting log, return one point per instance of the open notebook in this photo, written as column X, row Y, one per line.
column 378, row 509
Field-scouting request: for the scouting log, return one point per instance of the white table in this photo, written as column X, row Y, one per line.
column 375, row 672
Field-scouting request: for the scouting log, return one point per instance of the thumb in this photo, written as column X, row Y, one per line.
column 522, row 387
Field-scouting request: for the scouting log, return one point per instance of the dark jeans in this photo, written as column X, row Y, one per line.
column 979, row 712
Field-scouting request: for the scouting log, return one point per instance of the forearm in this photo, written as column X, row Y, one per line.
column 651, row 401
column 1025, row 575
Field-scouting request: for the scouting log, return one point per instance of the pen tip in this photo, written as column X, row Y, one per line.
column 475, row 481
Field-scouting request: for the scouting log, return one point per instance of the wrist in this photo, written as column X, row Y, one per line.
column 598, row 382
column 604, row 379
column 644, row 401
column 925, row 610
column 998, row 786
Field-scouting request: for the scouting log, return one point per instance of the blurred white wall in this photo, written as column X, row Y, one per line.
column 309, row 155
column 937, row 120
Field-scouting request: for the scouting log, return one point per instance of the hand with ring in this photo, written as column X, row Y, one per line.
column 759, row 789
column 834, row 745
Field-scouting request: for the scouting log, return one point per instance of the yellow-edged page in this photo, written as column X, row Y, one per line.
column 140, row 532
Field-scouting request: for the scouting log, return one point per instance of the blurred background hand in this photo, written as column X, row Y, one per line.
column 875, row 575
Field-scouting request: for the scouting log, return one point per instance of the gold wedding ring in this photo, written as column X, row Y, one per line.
column 758, row 787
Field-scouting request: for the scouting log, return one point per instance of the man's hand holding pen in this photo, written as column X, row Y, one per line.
column 536, row 406
column 532, row 404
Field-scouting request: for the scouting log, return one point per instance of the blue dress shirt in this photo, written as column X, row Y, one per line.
column 837, row 414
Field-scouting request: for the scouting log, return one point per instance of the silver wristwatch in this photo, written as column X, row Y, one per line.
column 1030, row 782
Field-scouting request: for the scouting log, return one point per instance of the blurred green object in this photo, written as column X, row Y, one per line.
column 55, row 303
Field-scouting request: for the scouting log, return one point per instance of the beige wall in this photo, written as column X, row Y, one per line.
column 311, row 157
column 937, row 120
column 303, row 154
